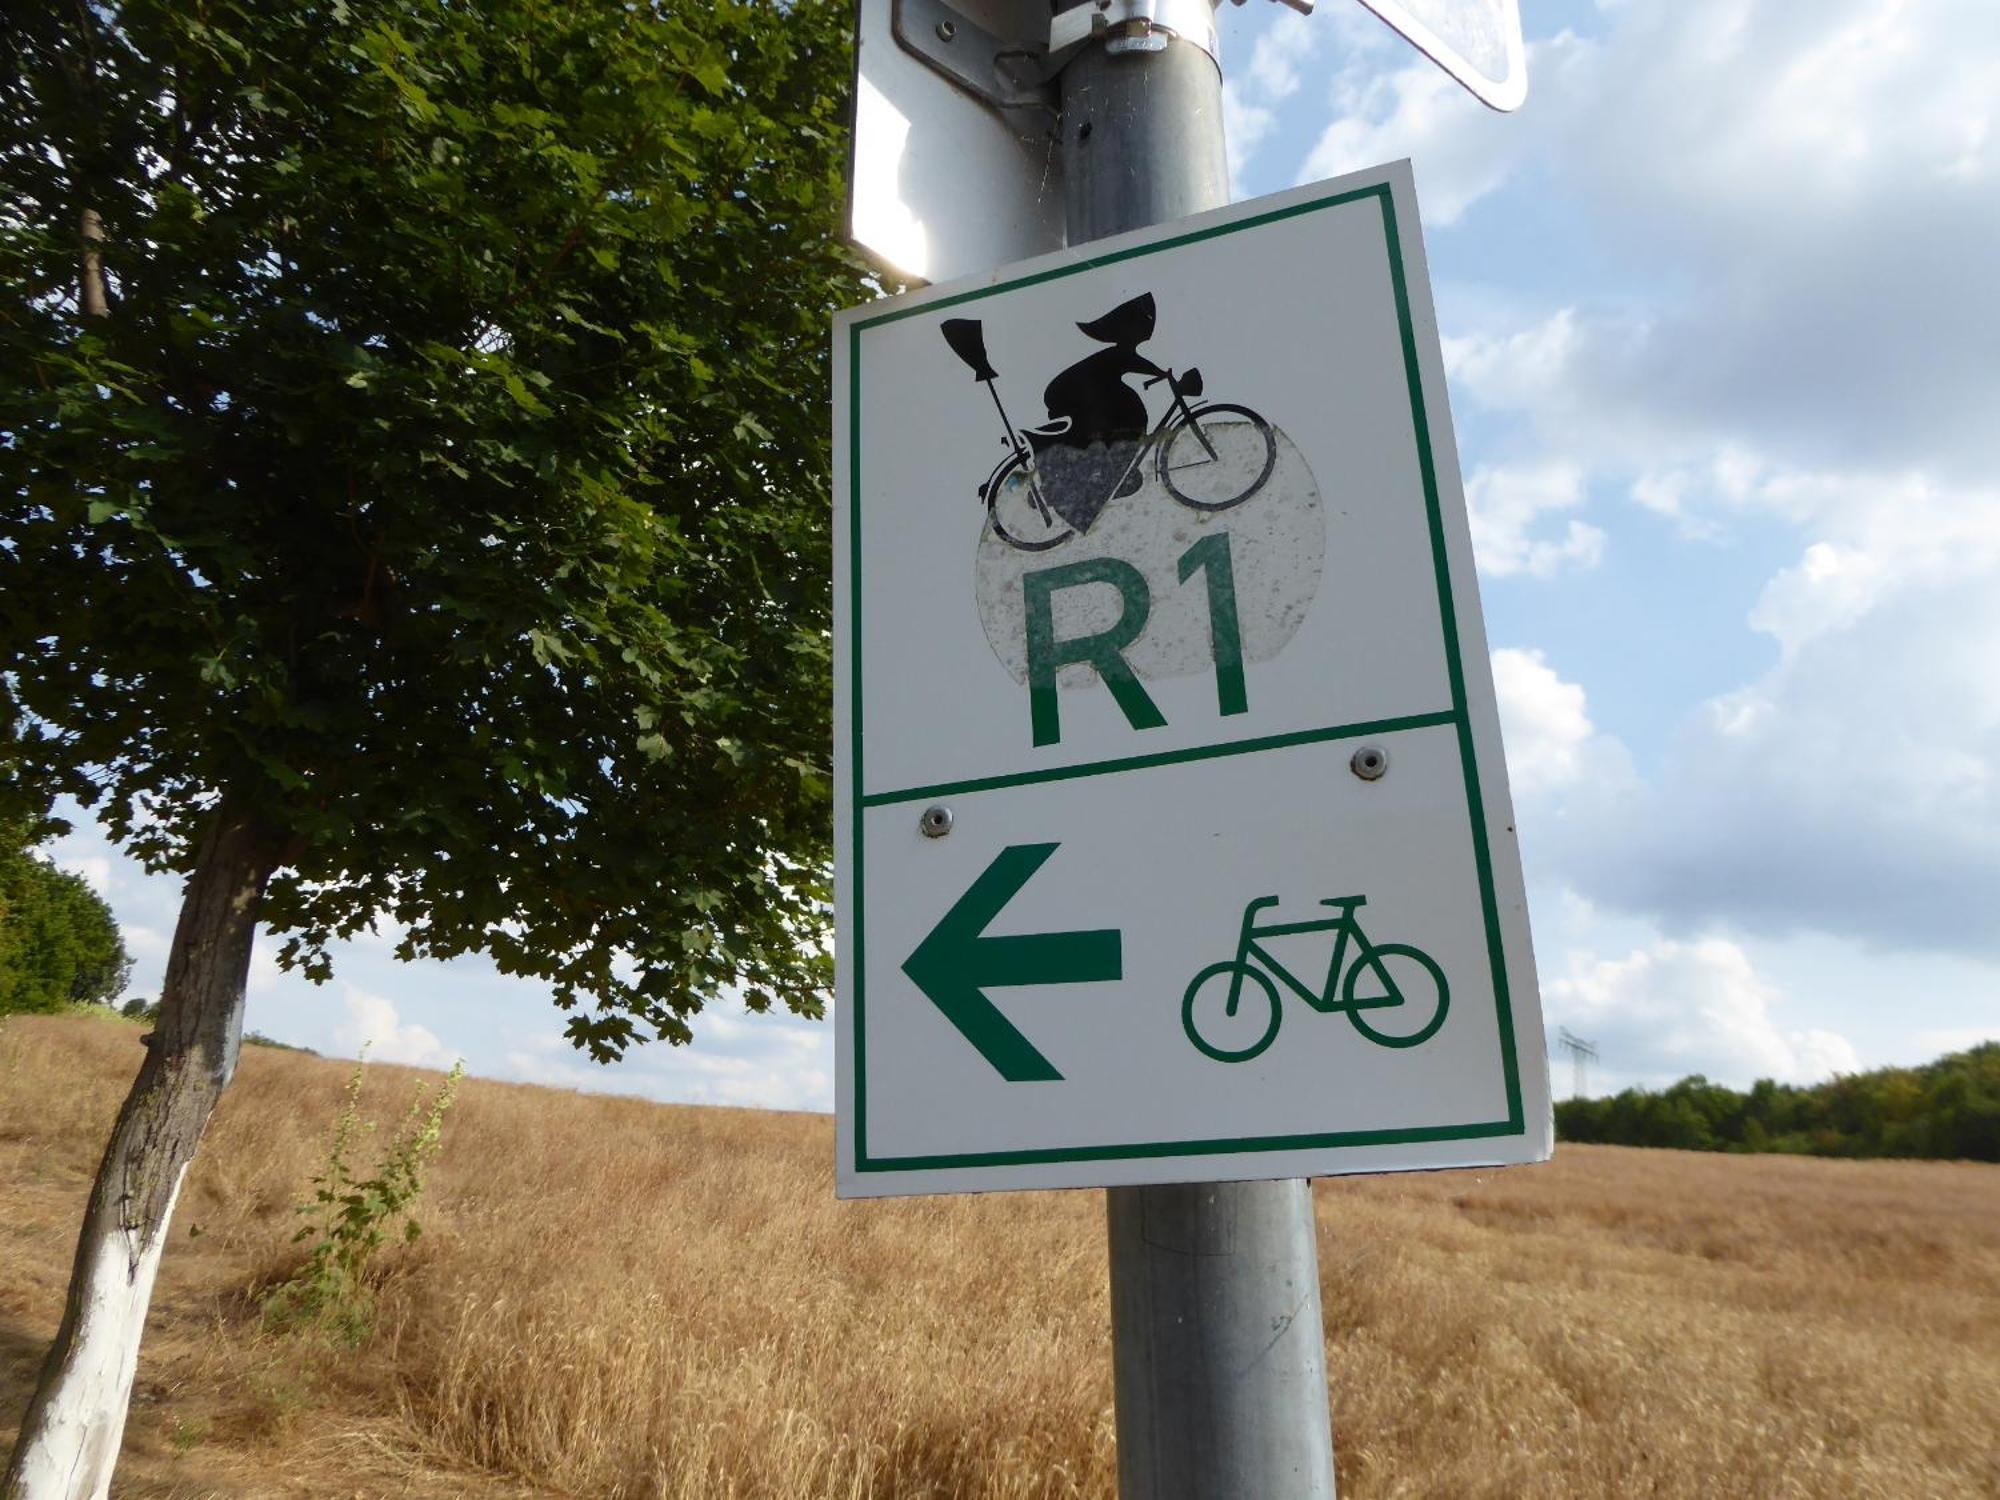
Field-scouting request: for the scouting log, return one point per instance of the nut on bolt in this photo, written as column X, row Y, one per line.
column 935, row 822
column 1370, row 762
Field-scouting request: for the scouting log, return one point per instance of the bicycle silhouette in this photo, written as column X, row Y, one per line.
column 1057, row 478
column 1413, row 998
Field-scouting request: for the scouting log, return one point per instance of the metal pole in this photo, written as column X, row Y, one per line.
column 1141, row 138
column 1217, row 1347
column 1218, row 1350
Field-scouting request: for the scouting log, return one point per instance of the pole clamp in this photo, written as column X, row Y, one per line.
column 1135, row 26
column 1018, row 72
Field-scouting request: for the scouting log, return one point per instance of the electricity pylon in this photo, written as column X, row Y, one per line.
column 1581, row 1055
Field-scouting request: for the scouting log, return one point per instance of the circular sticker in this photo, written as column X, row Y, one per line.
column 1150, row 506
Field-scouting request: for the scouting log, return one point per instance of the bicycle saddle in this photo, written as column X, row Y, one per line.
column 1039, row 438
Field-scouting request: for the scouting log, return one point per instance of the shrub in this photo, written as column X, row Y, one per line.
column 350, row 1217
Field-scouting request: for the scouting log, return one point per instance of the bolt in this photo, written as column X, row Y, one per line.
column 1370, row 762
column 946, row 30
column 935, row 823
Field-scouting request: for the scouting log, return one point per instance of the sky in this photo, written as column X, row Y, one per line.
column 1723, row 348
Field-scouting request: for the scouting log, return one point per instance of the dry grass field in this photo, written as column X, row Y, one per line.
column 622, row 1299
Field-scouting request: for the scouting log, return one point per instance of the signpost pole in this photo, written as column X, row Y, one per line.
column 1217, row 1341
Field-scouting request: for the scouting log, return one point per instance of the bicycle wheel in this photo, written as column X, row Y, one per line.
column 1219, row 457
column 1242, row 1035
column 1020, row 516
column 1414, row 993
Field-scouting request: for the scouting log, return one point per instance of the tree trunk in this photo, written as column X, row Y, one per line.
column 69, row 1439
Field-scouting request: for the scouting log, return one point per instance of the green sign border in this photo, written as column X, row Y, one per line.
column 1448, row 617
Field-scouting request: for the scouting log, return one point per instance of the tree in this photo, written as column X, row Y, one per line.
column 414, row 486
column 59, row 943
column 1946, row 1108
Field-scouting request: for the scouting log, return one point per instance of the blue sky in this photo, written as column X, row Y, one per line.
column 1721, row 335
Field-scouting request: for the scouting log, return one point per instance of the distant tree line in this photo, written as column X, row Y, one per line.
column 1949, row 1108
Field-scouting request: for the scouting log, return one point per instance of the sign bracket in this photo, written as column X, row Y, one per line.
column 1019, row 72
column 1002, row 73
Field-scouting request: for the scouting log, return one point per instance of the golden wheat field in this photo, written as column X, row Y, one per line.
column 621, row 1299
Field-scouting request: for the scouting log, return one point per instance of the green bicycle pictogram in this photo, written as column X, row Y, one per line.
column 1420, row 997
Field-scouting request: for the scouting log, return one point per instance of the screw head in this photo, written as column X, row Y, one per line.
column 935, row 822
column 1370, row 763
column 946, row 30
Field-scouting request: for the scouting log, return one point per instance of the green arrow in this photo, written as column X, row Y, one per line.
column 956, row 963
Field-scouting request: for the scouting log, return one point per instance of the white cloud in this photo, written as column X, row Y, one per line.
column 381, row 935
column 762, row 1062
column 1669, row 1008
column 1799, row 200
column 1877, row 537
column 96, row 872
column 1806, row 189
column 1251, row 94
column 1955, row 1039
column 1555, row 754
column 1852, row 788
column 1543, row 720
column 1461, row 150
column 1506, row 504
column 1273, row 68
column 82, row 852
column 146, row 906
column 372, row 1021
column 1245, row 125
column 1531, row 366
column 145, row 943
column 265, row 974
column 770, row 1061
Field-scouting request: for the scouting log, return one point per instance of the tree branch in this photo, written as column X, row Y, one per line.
column 91, row 281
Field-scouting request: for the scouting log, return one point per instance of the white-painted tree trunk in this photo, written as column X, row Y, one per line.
column 69, row 1438
column 72, row 1454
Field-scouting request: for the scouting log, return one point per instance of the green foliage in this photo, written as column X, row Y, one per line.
column 59, row 944
column 1948, row 1108
column 258, row 1039
column 350, row 1217
column 446, row 485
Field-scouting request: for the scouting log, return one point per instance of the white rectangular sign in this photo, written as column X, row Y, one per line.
column 1174, row 841
column 942, row 184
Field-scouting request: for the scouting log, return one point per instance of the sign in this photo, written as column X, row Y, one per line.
column 1174, row 841
column 944, row 184
column 1478, row 42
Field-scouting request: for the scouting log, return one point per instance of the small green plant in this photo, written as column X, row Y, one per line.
column 350, row 1217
